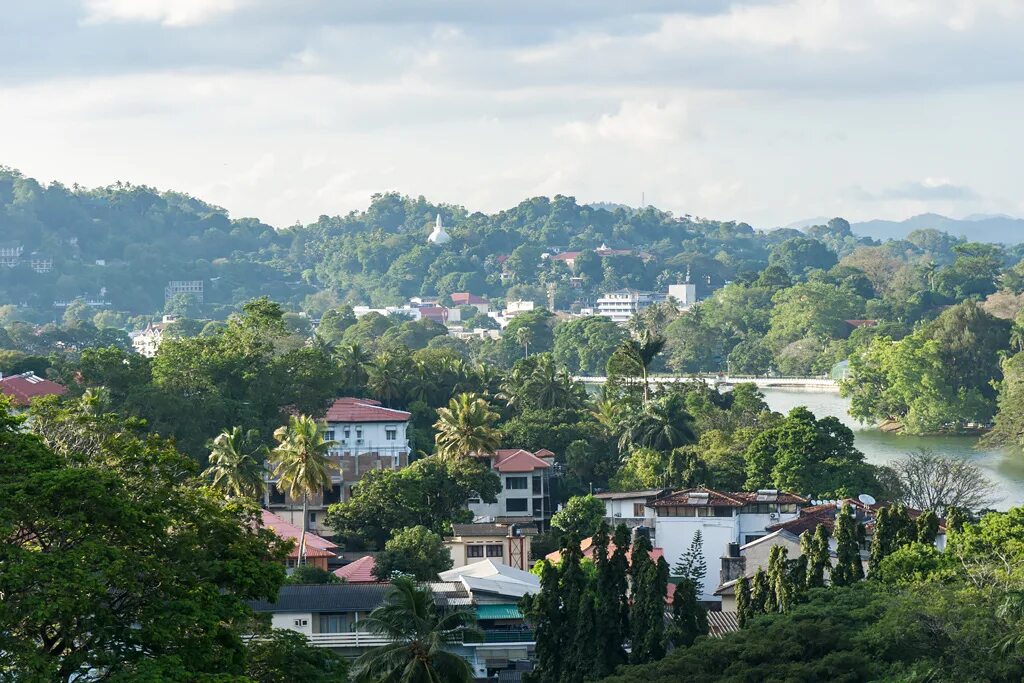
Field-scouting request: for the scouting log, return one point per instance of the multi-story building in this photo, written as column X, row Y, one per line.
column 175, row 287
column 146, row 342
column 509, row 544
column 525, row 494
column 367, row 437
column 632, row 508
column 623, row 304
column 10, row 255
column 466, row 299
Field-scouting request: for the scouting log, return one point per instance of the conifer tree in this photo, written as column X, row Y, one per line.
column 619, row 567
column 848, row 569
column 817, row 556
column 691, row 564
column 743, row 606
column 927, row 527
column 582, row 662
column 609, row 636
column 647, row 616
column 956, row 518
column 881, row 540
column 544, row 611
column 781, row 593
column 689, row 618
column 572, row 585
column 760, row 593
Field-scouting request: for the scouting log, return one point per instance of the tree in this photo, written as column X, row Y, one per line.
column 416, row 551
column 849, row 568
column 815, row 548
column 691, row 564
column 524, row 335
column 927, row 525
column 118, row 562
column 283, row 656
column 928, row 481
column 307, row 574
column 689, row 618
column 584, row 345
column 544, row 612
column 632, row 359
column 466, row 427
column 301, row 465
column 782, row 589
column 800, row 254
column 647, row 616
column 744, row 607
column 662, row 425
column 760, row 593
column 234, row 471
column 420, row 639
column 609, row 595
column 581, row 516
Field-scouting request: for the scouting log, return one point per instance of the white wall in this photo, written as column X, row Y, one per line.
column 622, row 508
column 674, row 535
column 374, row 436
column 287, row 620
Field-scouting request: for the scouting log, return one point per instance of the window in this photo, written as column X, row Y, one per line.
column 788, row 507
column 750, row 538
column 722, row 511
column 312, row 518
column 639, row 509
column 359, row 432
column 759, row 508
column 538, row 485
column 329, row 435
column 333, row 623
column 515, row 483
column 347, row 432
column 474, row 551
column 333, row 494
column 474, row 500
column 517, row 505
column 391, row 433
column 276, row 496
column 495, row 550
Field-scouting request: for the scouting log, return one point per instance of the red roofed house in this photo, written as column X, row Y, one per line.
column 367, row 437
column 525, row 488
column 467, row 299
column 359, row 571
column 318, row 550
column 569, row 257
column 21, row 389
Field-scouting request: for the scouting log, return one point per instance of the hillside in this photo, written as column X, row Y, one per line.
column 978, row 228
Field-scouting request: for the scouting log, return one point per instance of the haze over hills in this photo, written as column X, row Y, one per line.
column 976, row 228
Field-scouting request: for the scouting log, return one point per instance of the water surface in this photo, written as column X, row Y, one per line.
column 1004, row 466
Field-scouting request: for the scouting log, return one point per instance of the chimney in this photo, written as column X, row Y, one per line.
column 733, row 565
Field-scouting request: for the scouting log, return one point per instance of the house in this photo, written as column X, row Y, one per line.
column 176, row 287
column 631, row 508
column 367, row 436
column 514, row 308
column 21, row 389
column 466, row 299
column 525, row 494
column 569, row 257
column 327, row 614
column 40, row 263
column 722, row 518
column 685, row 294
column 10, row 254
column 623, row 304
column 509, row 544
column 410, row 312
column 318, row 550
column 359, row 571
column 147, row 341
column 587, row 546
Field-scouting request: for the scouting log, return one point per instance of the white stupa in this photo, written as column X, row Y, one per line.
column 438, row 235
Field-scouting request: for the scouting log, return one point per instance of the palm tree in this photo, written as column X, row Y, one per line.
column 662, row 425
column 633, row 357
column 233, row 471
column 421, row 638
column 387, row 376
column 524, row 335
column 301, row 464
column 353, row 360
column 466, row 427
column 538, row 383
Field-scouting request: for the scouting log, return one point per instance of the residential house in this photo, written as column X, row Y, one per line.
column 466, row 299
column 367, row 437
column 631, row 508
column 411, row 312
column 525, row 494
column 569, row 257
column 514, row 308
column 722, row 518
column 509, row 544
column 319, row 551
column 147, row 341
column 21, row 389
column 623, row 304
column 358, row 571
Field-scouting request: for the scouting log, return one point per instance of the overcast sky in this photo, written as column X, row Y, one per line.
column 767, row 111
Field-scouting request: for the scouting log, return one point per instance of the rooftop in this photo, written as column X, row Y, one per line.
column 587, row 546
column 316, row 546
column 359, row 571
column 350, row 409
column 517, row 460
column 702, row 496
column 488, row 576
column 626, row 495
column 490, row 530
column 27, row 386
column 329, row 597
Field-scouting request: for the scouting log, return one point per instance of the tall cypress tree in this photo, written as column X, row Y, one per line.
column 927, row 527
column 647, row 616
column 781, row 593
column 848, row 569
column 956, row 518
column 619, row 568
column 817, row 553
column 881, row 539
column 582, row 664
column 743, row 606
column 689, row 618
column 609, row 636
column 572, row 586
column 544, row 611
column 760, row 593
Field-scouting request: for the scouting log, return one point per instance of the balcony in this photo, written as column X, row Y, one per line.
column 518, row 635
column 347, row 639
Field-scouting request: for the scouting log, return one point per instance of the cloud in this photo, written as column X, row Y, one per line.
column 634, row 122
column 929, row 189
column 178, row 13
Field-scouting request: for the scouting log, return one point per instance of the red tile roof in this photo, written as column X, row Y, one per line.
column 26, row 386
column 693, row 496
column 544, row 453
column 518, row 460
column 360, row 571
column 316, row 546
column 587, row 546
column 363, row 410
column 467, row 299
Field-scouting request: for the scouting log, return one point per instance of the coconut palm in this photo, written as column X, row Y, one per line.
column 301, row 464
column 538, row 383
column 466, row 427
column 387, row 375
column 235, row 470
column 662, row 425
column 421, row 639
column 524, row 335
column 353, row 360
column 633, row 357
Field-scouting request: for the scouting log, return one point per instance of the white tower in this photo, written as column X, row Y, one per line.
column 438, row 235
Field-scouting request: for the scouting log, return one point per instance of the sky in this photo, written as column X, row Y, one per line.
column 765, row 111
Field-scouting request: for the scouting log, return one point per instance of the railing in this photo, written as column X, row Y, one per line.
column 347, row 639
column 521, row 635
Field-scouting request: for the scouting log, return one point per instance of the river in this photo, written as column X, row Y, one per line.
column 1005, row 467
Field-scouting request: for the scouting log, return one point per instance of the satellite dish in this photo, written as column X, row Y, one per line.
column 866, row 499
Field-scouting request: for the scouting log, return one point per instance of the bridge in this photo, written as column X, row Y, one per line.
column 819, row 383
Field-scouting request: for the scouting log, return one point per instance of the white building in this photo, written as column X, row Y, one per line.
column 722, row 518
column 684, row 294
column 367, row 437
column 632, row 508
column 146, row 342
column 509, row 544
column 514, row 308
column 525, row 494
column 623, row 304
column 410, row 312
column 438, row 234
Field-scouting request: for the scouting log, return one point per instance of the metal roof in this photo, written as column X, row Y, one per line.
column 507, row 611
column 331, row 597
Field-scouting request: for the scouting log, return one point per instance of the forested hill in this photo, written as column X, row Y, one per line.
column 123, row 243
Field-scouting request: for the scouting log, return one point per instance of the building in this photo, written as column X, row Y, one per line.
column 525, row 494
column 319, row 551
column 10, row 255
column 367, row 436
column 623, row 304
column 438, row 235
column 40, row 263
column 358, row 571
column 722, row 518
column 176, row 287
column 587, row 546
column 410, row 312
column 569, row 257
column 632, row 508
column 146, row 342
column 327, row 614
column 466, row 299
column 21, row 389
column 509, row 544
column 684, row 294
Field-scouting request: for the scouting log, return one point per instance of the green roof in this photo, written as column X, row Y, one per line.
column 498, row 612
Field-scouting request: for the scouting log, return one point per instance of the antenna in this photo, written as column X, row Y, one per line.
column 867, row 499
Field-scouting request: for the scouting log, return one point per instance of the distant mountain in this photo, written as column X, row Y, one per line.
column 806, row 223
column 977, row 227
